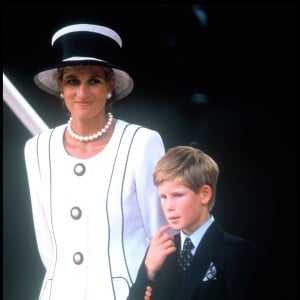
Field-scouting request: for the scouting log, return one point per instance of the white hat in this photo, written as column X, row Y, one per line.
column 86, row 44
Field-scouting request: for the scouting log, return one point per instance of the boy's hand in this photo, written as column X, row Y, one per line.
column 161, row 245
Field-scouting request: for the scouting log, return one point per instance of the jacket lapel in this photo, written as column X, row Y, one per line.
column 203, row 256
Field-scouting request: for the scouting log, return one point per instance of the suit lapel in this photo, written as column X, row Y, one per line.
column 203, row 257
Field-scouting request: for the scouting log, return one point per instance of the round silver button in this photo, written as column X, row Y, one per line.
column 76, row 213
column 79, row 169
column 78, row 258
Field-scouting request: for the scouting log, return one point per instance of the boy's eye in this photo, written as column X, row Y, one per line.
column 178, row 195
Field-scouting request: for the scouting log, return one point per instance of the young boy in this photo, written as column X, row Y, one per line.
column 219, row 265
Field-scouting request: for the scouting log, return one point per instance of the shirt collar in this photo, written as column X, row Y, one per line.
column 197, row 235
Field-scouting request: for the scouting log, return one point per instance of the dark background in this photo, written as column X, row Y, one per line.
column 229, row 84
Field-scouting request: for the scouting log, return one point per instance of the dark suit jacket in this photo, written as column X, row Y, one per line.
column 234, row 261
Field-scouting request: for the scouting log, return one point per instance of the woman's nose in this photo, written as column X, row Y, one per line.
column 82, row 90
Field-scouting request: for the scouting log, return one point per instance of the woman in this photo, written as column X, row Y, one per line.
column 94, row 203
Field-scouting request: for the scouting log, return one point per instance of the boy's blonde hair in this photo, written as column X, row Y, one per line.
column 189, row 165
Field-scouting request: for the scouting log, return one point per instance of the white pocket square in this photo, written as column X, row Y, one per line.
column 211, row 273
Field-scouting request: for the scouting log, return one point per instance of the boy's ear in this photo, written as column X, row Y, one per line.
column 205, row 193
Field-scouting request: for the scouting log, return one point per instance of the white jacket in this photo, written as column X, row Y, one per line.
column 104, row 208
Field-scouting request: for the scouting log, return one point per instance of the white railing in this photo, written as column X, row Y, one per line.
column 22, row 109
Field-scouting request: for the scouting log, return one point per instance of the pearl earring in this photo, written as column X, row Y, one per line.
column 61, row 95
column 109, row 95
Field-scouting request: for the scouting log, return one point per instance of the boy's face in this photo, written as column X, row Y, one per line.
column 184, row 210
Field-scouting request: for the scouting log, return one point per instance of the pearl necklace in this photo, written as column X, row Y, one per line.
column 92, row 137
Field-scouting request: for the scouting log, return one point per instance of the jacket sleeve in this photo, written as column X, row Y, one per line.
column 148, row 150
column 240, row 266
column 41, row 226
column 138, row 289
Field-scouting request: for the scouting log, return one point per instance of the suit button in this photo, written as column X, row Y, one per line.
column 79, row 169
column 78, row 258
column 76, row 213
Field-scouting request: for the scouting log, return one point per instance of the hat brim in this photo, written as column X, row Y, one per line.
column 46, row 79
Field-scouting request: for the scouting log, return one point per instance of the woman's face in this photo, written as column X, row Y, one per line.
column 85, row 90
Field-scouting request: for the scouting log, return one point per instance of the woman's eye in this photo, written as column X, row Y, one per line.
column 72, row 82
column 94, row 81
